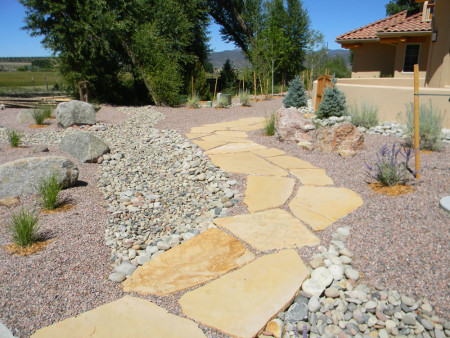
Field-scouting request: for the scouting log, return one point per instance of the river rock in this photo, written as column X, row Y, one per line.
column 84, row 146
column 75, row 112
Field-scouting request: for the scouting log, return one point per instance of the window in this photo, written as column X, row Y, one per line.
column 411, row 57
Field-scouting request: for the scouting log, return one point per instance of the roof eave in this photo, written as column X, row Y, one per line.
column 350, row 41
column 393, row 34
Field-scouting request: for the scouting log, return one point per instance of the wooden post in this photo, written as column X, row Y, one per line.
column 261, row 85
column 215, row 88
column 416, row 119
column 254, row 80
column 192, row 86
column 46, row 84
column 282, row 82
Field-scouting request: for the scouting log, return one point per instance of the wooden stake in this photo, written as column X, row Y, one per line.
column 215, row 88
column 254, row 79
column 282, row 82
column 416, row 119
column 239, row 90
column 192, row 86
column 260, row 85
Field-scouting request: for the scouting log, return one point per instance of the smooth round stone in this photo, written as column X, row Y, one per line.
column 444, row 203
column 323, row 275
column 313, row 287
column 345, row 232
column 371, row 305
column 351, row 273
column 332, row 292
column 337, row 271
column 117, row 277
column 313, row 304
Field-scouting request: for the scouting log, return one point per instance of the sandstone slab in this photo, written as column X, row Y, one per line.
column 206, row 145
column 268, row 152
column 269, row 230
column 200, row 259
column 290, row 162
column 266, row 192
column 242, row 302
column 321, row 206
column 235, row 148
column 312, row 176
column 246, row 163
column 249, row 127
column 126, row 317
column 205, row 129
column 192, row 136
column 230, row 133
column 225, row 138
column 9, row 201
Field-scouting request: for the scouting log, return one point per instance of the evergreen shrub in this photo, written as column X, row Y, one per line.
column 333, row 102
column 296, row 96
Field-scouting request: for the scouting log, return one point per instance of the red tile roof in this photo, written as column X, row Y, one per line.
column 400, row 22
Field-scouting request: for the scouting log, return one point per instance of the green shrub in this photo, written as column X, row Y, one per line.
column 430, row 126
column 47, row 110
column 222, row 103
column 193, row 102
column 296, row 96
column 269, row 125
column 24, row 228
column 49, row 189
column 364, row 115
column 14, row 137
column 244, row 97
column 38, row 116
column 333, row 103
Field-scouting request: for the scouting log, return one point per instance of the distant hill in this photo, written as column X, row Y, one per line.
column 239, row 61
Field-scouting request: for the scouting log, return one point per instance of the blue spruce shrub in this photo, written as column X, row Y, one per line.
column 333, row 103
column 296, row 96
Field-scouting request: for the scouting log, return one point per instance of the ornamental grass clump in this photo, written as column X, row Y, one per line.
column 14, row 138
column 430, row 126
column 222, row 103
column 38, row 116
column 269, row 125
column 49, row 189
column 333, row 103
column 24, row 228
column 364, row 115
column 296, row 96
column 244, row 97
column 194, row 101
column 391, row 167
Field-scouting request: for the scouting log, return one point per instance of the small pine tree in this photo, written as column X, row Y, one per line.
column 333, row 103
column 296, row 96
column 201, row 86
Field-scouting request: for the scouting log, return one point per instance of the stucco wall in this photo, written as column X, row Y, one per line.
column 400, row 58
column 373, row 60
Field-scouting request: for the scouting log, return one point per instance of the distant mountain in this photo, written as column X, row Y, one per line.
column 239, row 60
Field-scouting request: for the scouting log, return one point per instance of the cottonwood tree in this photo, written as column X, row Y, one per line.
column 396, row 6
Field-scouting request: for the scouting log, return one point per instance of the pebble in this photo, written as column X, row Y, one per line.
column 117, row 277
column 351, row 273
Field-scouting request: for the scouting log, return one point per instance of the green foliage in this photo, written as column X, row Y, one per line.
column 42, row 64
column 364, row 115
column 228, row 76
column 38, row 116
column 208, row 66
column 338, row 66
column 49, row 189
column 222, row 103
column 14, row 137
column 333, row 102
column 201, row 87
column 193, row 102
column 430, row 126
column 24, row 228
column 23, row 69
column 296, row 96
column 244, row 97
column 269, row 125
column 396, row 6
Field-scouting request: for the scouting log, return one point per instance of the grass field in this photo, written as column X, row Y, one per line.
column 25, row 79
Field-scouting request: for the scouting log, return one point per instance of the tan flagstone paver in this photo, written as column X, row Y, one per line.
column 206, row 145
column 231, row 133
column 192, row 136
column 246, row 163
column 235, row 148
column 312, row 176
column 269, row 230
column 290, row 162
column 243, row 301
column 227, row 139
column 321, row 206
column 204, row 257
column 248, row 128
column 268, row 152
column 126, row 317
column 206, row 129
column 267, row 192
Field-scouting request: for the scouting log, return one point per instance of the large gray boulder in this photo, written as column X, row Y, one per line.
column 84, row 146
column 22, row 177
column 290, row 125
column 25, row 116
column 75, row 112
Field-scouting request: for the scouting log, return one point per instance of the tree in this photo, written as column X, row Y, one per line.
column 333, row 103
column 296, row 96
column 228, row 75
column 396, row 6
column 338, row 67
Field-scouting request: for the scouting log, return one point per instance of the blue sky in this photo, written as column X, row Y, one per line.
column 331, row 17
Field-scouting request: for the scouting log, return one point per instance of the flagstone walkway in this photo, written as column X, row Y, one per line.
column 240, row 302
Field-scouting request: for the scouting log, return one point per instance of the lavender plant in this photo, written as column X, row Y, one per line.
column 392, row 165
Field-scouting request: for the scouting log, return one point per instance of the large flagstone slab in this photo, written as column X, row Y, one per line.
column 206, row 129
column 268, row 152
column 290, row 162
column 226, row 139
column 312, row 176
column 248, row 127
column 246, row 163
column 235, row 148
column 267, row 192
column 269, row 230
column 230, row 133
column 200, row 259
column 206, row 145
column 321, row 206
column 192, row 136
column 243, row 301
column 126, row 317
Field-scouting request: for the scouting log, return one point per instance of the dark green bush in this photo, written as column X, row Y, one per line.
column 333, row 102
column 296, row 96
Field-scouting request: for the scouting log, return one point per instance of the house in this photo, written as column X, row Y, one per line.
column 384, row 54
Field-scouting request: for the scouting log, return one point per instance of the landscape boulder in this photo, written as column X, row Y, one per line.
column 75, row 112
column 22, row 177
column 290, row 125
column 343, row 137
column 25, row 116
column 2, row 107
column 84, row 146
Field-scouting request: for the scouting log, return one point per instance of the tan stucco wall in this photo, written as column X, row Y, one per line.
column 373, row 60
column 438, row 75
column 400, row 58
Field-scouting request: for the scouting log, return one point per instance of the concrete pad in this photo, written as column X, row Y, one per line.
column 267, row 192
column 290, row 162
column 246, row 163
column 200, row 259
column 268, row 152
column 235, row 148
column 243, row 301
column 321, row 206
column 269, row 230
column 192, row 136
column 226, row 139
column 312, row 176
column 230, row 133
column 206, row 145
column 126, row 317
